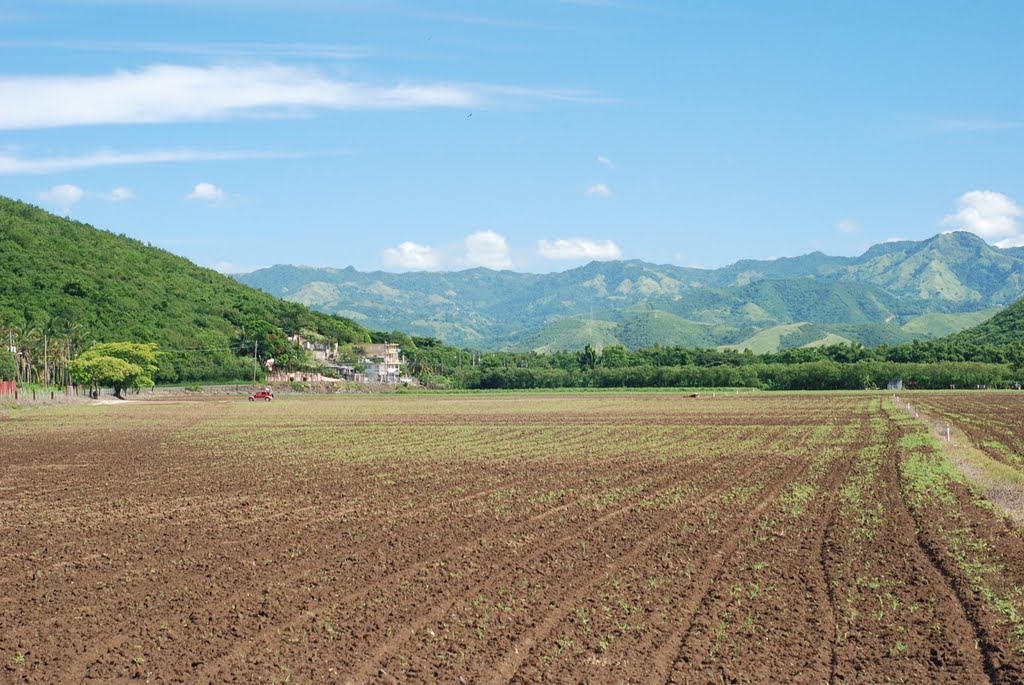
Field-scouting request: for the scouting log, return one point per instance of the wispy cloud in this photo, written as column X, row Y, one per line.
column 12, row 164
column 482, row 20
column 230, row 49
column 174, row 93
column 590, row 3
column 598, row 190
column 503, row 96
column 601, row 159
column 955, row 125
column 119, row 194
column 579, row 248
column 847, row 226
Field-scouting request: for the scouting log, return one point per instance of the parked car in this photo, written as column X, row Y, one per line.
column 262, row 395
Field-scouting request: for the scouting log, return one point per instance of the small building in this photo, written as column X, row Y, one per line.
column 323, row 351
column 895, row 384
column 383, row 362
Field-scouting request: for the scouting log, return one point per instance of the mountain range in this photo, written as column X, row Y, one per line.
column 893, row 293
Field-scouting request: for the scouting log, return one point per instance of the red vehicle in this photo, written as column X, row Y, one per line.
column 262, row 395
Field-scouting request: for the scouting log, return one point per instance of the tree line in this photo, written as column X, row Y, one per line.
column 932, row 364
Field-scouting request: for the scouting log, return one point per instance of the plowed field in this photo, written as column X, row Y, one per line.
column 993, row 420
column 640, row 538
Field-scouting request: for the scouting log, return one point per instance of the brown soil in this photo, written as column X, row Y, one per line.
column 505, row 538
column 994, row 421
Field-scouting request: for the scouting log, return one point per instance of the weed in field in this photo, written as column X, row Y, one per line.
column 795, row 499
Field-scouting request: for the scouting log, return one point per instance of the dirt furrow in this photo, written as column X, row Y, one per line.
column 537, row 525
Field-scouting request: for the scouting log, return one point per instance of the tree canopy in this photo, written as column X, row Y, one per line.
column 118, row 365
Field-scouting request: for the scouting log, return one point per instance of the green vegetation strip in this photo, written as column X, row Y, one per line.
column 928, row 478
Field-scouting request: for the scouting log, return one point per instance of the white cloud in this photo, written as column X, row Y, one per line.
column 120, row 194
column 410, row 255
column 63, row 196
column 991, row 215
column 893, row 239
column 488, row 249
column 599, row 190
column 847, row 226
column 601, row 159
column 207, row 192
column 175, row 93
column 579, row 248
column 11, row 164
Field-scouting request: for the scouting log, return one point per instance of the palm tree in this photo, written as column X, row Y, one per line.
column 27, row 339
column 63, row 346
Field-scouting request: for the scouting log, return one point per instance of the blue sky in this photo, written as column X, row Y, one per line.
column 533, row 135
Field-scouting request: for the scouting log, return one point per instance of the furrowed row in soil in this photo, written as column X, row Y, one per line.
column 204, row 508
column 900, row 619
column 543, row 540
column 240, row 579
column 993, row 421
column 226, row 586
column 685, row 656
column 518, row 648
column 517, row 651
column 614, row 631
column 1001, row 655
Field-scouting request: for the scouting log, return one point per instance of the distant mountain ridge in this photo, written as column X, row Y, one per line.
column 892, row 293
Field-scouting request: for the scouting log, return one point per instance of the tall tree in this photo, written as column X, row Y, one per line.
column 118, row 365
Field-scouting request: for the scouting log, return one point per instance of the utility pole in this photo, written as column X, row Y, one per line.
column 255, row 350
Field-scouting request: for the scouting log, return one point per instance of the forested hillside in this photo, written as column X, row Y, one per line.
column 65, row 281
column 1003, row 329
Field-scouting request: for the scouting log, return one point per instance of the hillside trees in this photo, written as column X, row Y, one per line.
column 63, row 283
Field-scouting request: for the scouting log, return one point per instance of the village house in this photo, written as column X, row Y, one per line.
column 323, row 351
column 382, row 361
column 378, row 362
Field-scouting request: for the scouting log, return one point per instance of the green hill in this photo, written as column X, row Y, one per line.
column 1003, row 329
column 937, row 325
column 662, row 328
column 571, row 334
column 768, row 340
column 64, row 279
